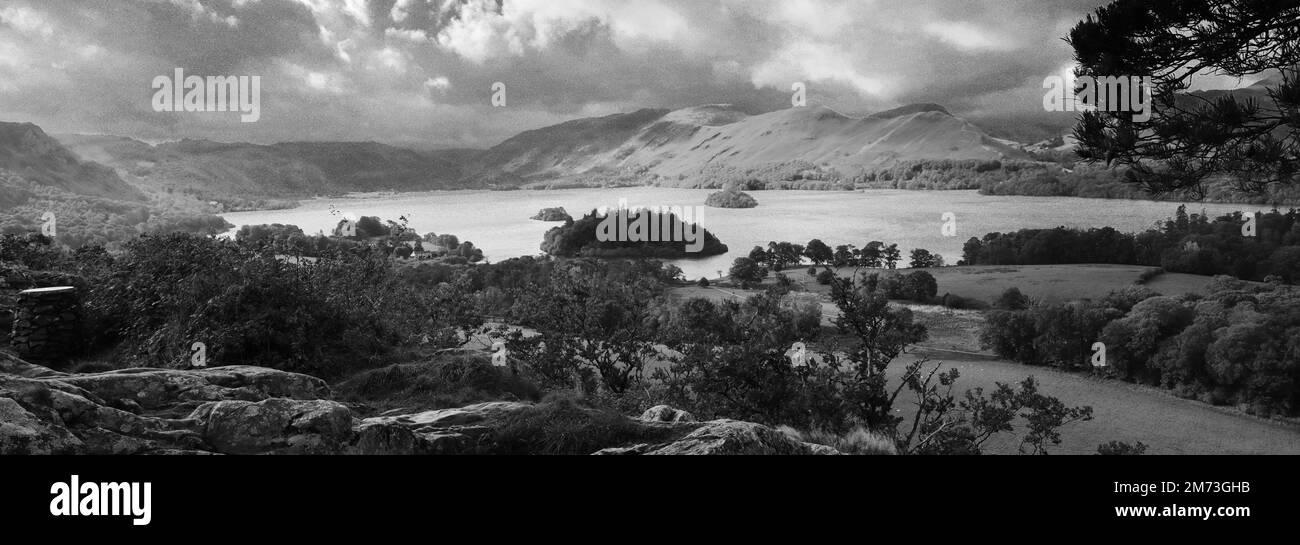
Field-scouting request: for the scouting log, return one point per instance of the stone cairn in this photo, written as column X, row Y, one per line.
column 47, row 325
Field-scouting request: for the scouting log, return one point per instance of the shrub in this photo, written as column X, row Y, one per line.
column 919, row 286
column 337, row 315
column 566, row 425
column 703, row 283
column 858, row 441
column 1120, row 448
column 1011, row 299
column 825, row 277
column 958, row 302
column 449, row 381
column 747, row 272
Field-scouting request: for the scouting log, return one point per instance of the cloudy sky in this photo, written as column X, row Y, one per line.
column 420, row 72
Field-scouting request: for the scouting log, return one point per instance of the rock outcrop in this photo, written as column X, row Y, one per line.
column 727, row 437
column 254, row 410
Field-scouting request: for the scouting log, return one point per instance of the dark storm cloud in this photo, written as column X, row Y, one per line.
column 420, row 71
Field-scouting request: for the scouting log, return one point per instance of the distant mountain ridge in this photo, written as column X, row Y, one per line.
column 673, row 147
column 289, row 170
column 649, row 146
column 30, row 154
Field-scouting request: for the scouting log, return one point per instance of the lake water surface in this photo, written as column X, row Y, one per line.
column 497, row 221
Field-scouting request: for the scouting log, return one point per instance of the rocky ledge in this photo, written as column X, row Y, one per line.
column 254, row 410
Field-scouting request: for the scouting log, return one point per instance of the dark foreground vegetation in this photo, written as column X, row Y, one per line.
column 594, row 338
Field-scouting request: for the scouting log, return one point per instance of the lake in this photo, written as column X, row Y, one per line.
column 498, row 221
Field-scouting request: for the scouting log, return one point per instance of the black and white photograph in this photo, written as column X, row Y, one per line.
column 348, row 229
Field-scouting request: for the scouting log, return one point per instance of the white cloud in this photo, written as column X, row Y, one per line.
column 392, row 59
column 359, row 10
column 966, row 36
column 440, row 83
column 479, row 32
column 26, row 21
column 823, row 18
column 411, row 35
column 343, row 48
column 332, row 83
column 811, row 62
column 401, row 10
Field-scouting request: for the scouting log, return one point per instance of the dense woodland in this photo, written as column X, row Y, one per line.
column 1186, row 243
column 1236, row 345
column 580, row 238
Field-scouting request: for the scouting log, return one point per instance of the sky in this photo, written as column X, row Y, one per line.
column 420, row 72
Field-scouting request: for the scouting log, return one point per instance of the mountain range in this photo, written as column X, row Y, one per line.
column 702, row 146
column 686, row 148
column 28, row 153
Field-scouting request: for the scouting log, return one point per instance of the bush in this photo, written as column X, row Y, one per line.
column 450, row 381
column 858, row 441
column 1011, row 299
column 1149, row 275
column 566, row 425
column 825, row 277
column 327, row 318
column 958, row 302
column 746, row 272
column 919, row 286
column 1120, row 448
column 703, row 283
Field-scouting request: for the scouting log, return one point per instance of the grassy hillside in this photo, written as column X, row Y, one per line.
column 26, row 151
column 235, row 172
column 715, row 144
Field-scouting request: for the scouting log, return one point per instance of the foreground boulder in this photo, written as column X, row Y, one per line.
column 443, row 431
column 727, row 437
column 275, row 426
column 154, row 389
column 232, row 410
column 254, row 410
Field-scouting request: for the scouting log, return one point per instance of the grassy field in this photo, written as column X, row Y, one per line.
column 1045, row 282
column 1125, row 412
column 1122, row 411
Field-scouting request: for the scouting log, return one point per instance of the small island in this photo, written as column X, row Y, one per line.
column 553, row 214
column 639, row 233
column 731, row 197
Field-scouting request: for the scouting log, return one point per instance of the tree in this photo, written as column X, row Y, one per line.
column 890, row 256
column 589, row 325
column 783, row 254
column 871, row 254
column 759, row 255
column 844, row 256
column 1250, row 136
column 747, row 272
column 919, row 286
column 1012, row 299
column 818, row 252
column 923, row 259
column 371, row 226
